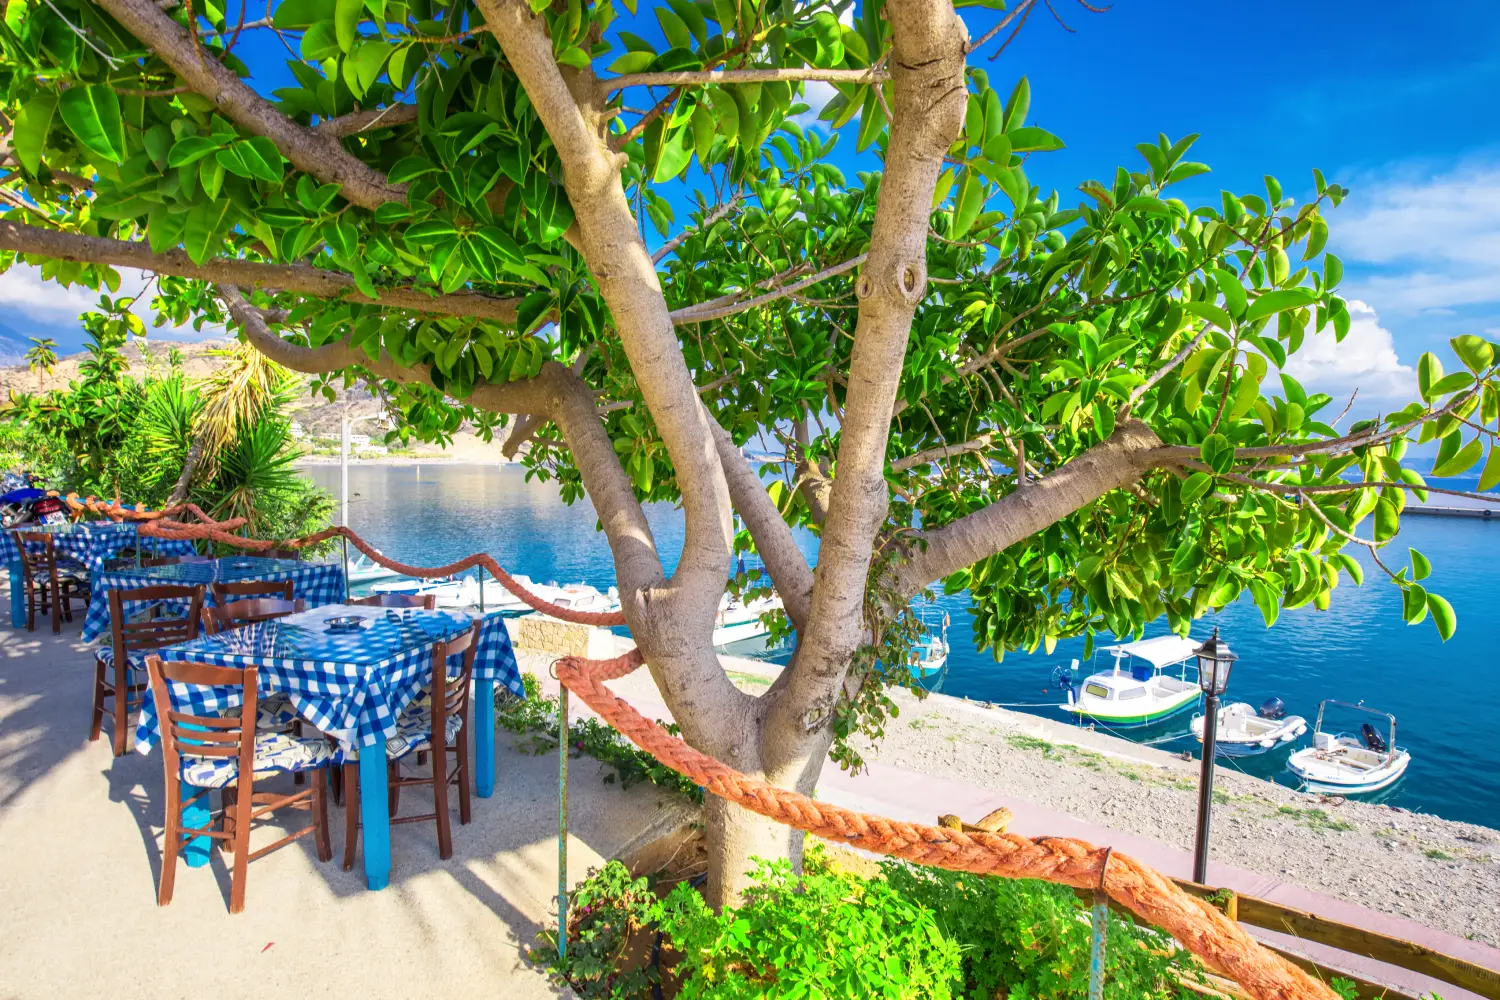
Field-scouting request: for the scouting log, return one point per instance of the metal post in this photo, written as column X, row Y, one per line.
column 344, row 473
column 562, row 823
column 480, row 570
column 345, row 542
column 1096, row 948
column 1206, row 788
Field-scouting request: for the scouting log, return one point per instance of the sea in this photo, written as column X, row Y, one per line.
column 1359, row 651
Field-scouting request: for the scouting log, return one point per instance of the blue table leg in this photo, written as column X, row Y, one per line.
column 17, row 594
column 196, row 814
column 375, row 812
column 484, row 738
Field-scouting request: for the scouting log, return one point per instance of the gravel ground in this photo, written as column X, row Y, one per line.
column 1434, row 871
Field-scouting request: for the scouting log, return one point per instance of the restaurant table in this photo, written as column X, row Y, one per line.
column 91, row 543
column 351, row 685
column 316, row 583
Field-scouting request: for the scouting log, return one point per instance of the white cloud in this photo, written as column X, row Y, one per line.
column 815, row 94
column 1365, row 359
column 1433, row 238
column 46, row 308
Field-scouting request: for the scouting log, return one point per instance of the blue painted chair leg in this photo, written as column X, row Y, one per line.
column 375, row 813
column 195, row 813
column 484, row 738
column 17, row 594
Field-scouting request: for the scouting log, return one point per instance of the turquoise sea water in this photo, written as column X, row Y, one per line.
column 1443, row 695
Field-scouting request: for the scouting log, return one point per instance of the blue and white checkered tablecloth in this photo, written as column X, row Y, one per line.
column 352, row 686
column 316, row 583
column 94, row 543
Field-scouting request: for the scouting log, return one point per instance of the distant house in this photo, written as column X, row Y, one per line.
column 298, row 431
column 359, row 440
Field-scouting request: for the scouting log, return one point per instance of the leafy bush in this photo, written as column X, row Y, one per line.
column 536, row 717
column 604, row 910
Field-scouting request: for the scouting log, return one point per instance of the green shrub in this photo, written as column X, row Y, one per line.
column 604, row 910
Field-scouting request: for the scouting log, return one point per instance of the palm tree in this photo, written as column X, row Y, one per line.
column 244, row 389
column 42, row 357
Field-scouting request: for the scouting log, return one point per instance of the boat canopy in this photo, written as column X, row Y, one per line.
column 1161, row 651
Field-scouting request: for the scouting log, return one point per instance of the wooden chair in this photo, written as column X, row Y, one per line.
column 226, row 592
column 293, row 554
column 427, row 601
column 208, row 752
column 48, row 584
column 130, row 642
column 177, row 560
column 236, row 614
column 442, row 728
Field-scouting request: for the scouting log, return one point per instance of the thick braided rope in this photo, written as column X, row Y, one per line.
column 116, row 512
column 1218, row 941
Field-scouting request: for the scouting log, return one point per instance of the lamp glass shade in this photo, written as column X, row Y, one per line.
column 1214, row 663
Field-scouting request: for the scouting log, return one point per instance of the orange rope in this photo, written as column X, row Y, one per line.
column 1215, row 939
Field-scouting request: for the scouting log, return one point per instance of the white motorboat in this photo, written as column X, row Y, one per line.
column 447, row 591
column 1151, row 680
column 1243, row 730
column 930, row 655
column 1350, row 764
column 363, row 569
column 464, row 592
column 739, row 619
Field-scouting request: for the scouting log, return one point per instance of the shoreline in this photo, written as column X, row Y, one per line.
column 1440, row 873
column 333, row 460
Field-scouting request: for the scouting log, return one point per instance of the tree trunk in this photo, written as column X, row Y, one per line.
column 189, row 466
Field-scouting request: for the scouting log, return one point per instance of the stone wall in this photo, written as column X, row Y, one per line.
column 540, row 633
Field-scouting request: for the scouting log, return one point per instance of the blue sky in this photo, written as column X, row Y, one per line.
column 1396, row 102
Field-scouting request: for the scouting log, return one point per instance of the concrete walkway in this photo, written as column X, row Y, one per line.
column 80, row 836
column 902, row 794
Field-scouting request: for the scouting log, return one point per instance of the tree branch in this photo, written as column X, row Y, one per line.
column 362, row 121
column 942, row 451
column 299, row 278
column 727, row 305
column 1112, row 464
column 309, row 152
column 708, row 220
column 706, row 78
column 773, row 538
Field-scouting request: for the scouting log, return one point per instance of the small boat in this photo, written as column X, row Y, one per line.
column 363, row 569
column 1349, row 764
column 1139, row 690
column 464, row 592
column 447, row 591
column 1243, row 730
column 739, row 619
column 930, row 655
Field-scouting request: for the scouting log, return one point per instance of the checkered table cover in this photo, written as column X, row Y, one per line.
column 94, row 543
column 354, row 686
column 316, row 583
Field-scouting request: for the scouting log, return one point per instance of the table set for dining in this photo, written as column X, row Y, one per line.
column 354, row 675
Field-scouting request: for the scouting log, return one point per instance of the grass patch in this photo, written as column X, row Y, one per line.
column 743, row 680
column 1057, row 751
column 1313, row 819
column 1438, row 854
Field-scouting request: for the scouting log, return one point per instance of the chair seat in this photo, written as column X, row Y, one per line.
column 274, row 753
column 272, row 712
column 413, row 735
column 73, row 572
column 135, row 658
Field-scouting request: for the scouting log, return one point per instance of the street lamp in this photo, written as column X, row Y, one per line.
column 1214, row 663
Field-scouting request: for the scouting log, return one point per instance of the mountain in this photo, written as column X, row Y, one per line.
column 13, row 346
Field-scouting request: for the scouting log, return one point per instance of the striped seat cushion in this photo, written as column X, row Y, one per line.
column 275, row 753
column 413, row 735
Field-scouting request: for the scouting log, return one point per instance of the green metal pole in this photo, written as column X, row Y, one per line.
column 1096, row 951
column 480, row 570
column 562, row 823
column 345, row 542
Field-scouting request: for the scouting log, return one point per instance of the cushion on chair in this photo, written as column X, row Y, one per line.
column 273, row 711
column 274, row 753
column 136, row 658
column 413, row 734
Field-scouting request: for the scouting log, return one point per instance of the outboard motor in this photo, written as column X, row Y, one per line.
column 1372, row 738
column 1273, row 709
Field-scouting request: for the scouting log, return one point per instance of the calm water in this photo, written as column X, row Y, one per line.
column 1441, row 694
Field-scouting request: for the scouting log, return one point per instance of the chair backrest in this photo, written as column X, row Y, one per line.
column 31, row 562
column 427, row 601
column 204, row 735
column 152, row 632
column 454, row 687
column 177, row 560
column 226, row 592
column 294, row 554
column 236, row 614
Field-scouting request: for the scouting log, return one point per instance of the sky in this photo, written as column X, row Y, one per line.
column 1394, row 101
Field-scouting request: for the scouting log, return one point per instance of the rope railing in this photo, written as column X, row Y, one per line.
column 1217, row 941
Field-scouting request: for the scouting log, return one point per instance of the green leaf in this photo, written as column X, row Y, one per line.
column 320, row 42
column 500, row 244
column 1429, row 373
column 1195, row 486
column 211, row 176
column 1217, row 453
column 574, row 56
column 1018, row 105
column 190, row 149
column 1333, row 272
column 92, row 113
column 392, row 211
column 676, row 152
column 1476, row 353
column 341, row 237
column 1266, row 599
column 1491, row 474
column 428, row 233
column 1233, row 292
column 1387, row 520
column 1414, row 604
column 1442, row 616
column 15, row 16
column 1350, row 565
column 205, row 228
column 409, row 168
column 369, row 61
column 1421, row 569
column 1461, row 461
column 1270, row 303
column 1452, row 382
column 967, row 204
column 633, row 62
column 1210, row 312
column 346, row 17
column 296, row 14
column 29, row 137
column 1031, row 139
column 164, row 228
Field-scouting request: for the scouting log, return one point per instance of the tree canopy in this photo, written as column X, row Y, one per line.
column 1069, row 404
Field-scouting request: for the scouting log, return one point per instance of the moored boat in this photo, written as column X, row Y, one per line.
column 738, row 619
column 930, row 655
column 1142, row 688
column 1350, row 764
column 1242, row 730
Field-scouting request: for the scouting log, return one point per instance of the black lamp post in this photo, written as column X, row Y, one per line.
column 1214, row 662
